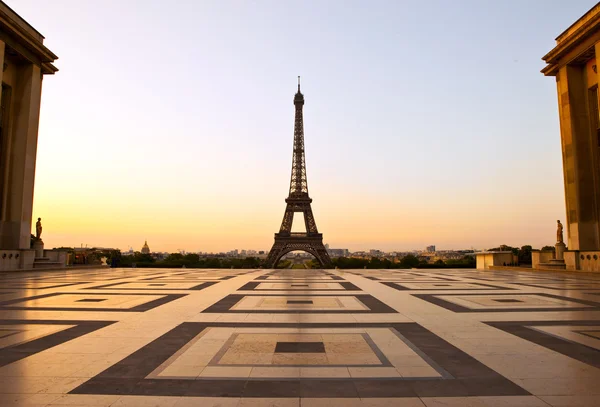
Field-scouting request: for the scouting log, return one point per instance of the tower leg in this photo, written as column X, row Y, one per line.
column 274, row 254
column 324, row 258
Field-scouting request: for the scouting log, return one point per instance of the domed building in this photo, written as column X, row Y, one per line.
column 145, row 248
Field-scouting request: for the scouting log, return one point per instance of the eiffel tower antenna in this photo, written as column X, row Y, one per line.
column 298, row 200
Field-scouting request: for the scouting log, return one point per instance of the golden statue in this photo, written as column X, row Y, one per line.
column 559, row 232
column 38, row 229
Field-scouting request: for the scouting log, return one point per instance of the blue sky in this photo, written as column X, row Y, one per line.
column 425, row 122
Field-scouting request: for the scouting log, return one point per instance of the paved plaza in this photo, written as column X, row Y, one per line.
column 203, row 337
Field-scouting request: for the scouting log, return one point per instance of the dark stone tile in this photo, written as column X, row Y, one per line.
column 491, row 387
column 300, row 347
column 439, row 388
column 107, row 386
column 163, row 387
column 272, row 388
column 328, row 388
column 249, row 286
column 384, row 388
column 349, row 286
column 300, row 301
column 374, row 304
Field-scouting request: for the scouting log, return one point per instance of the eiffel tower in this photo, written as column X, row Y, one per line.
column 298, row 201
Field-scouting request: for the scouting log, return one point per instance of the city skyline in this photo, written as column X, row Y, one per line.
column 131, row 248
column 405, row 145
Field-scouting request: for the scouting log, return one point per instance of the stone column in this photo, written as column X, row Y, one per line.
column 4, row 147
column 577, row 146
column 25, row 111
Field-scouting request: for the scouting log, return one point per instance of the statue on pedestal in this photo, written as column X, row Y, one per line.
column 560, row 244
column 37, row 243
column 38, row 229
column 559, row 232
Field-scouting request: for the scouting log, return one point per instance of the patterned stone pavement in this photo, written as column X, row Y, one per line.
column 202, row 337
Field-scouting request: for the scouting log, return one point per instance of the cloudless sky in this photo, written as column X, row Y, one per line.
column 426, row 122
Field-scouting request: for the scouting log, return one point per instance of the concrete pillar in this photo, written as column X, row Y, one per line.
column 4, row 146
column 578, row 145
column 25, row 111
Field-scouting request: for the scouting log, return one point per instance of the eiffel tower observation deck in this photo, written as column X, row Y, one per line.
column 298, row 200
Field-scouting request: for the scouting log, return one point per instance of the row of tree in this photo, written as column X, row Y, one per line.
column 192, row 260
column 407, row 262
column 178, row 260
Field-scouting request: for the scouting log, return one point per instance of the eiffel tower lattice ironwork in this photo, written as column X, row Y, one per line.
column 298, row 201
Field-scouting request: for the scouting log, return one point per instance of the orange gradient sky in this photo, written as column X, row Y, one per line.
column 174, row 122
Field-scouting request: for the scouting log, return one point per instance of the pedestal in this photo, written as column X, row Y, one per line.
column 560, row 251
column 38, row 246
column 558, row 262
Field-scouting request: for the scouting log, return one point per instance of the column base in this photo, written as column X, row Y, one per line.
column 554, row 264
column 38, row 246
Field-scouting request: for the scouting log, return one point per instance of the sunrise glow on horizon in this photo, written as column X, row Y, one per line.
column 424, row 124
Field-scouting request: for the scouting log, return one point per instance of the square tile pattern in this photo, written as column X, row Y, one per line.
column 579, row 340
column 442, row 286
column 22, row 338
column 204, row 360
column 83, row 301
column 273, row 303
column 179, row 337
column 517, row 302
column 308, row 286
column 142, row 285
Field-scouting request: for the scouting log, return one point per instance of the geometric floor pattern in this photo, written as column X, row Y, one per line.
column 205, row 337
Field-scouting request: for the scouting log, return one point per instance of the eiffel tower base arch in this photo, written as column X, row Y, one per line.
column 289, row 243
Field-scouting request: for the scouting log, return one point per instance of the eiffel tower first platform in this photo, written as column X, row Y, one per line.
column 298, row 201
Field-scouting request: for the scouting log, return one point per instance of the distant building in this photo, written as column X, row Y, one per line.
column 360, row 255
column 430, row 249
column 145, row 248
column 338, row 252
